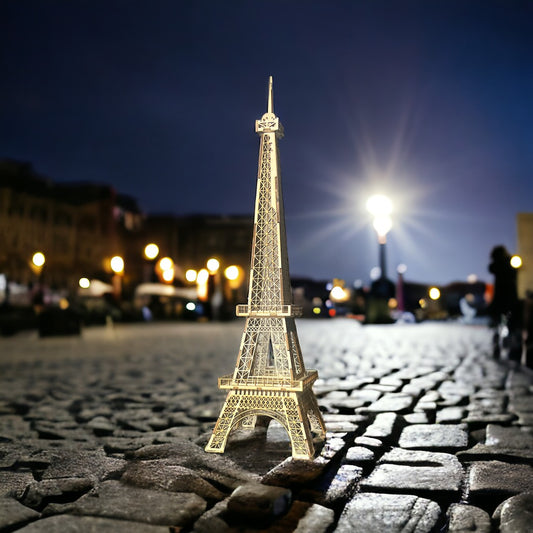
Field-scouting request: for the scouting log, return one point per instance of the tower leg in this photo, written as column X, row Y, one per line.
column 315, row 417
column 299, row 428
column 217, row 442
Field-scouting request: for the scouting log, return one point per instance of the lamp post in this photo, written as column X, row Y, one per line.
column 37, row 264
column 382, row 289
column 380, row 207
column 151, row 251
column 117, row 266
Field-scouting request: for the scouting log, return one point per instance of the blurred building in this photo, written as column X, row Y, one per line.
column 80, row 226
column 524, row 229
column 75, row 226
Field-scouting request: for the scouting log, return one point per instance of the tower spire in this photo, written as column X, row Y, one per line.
column 270, row 108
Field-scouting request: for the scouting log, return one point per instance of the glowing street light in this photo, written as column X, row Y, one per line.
column 434, row 293
column 232, row 273
column 168, row 275
column 191, row 275
column 166, row 263
column 201, row 281
column 203, row 276
column 516, row 261
column 117, row 264
column 84, row 283
column 380, row 207
column 213, row 265
column 151, row 251
column 38, row 259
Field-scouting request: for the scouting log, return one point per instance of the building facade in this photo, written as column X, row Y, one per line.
column 524, row 231
column 79, row 227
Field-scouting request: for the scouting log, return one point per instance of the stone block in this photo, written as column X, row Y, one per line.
column 158, row 474
column 255, row 501
column 89, row 524
column 416, row 472
column 509, row 437
column 13, row 514
column 515, row 515
column 317, row 519
column 383, row 426
column 434, row 437
column 394, row 402
column 393, row 513
column 498, row 478
column 113, row 499
column 359, row 454
column 467, row 519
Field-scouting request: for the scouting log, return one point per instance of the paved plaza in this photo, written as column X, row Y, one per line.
column 106, row 433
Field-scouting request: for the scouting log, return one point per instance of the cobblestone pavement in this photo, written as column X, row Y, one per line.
column 105, row 433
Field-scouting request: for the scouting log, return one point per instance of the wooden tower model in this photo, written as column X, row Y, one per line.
column 270, row 380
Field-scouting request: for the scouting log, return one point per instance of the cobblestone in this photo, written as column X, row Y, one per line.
column 105, row 432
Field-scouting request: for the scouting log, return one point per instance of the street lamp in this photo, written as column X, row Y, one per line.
column 38, row 259
column 380, row 207
column 117, row 266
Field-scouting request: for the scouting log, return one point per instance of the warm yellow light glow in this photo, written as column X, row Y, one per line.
column 190, row 275
column 422, row 303
column 38, row 259
column 393, row 303
column 316, row 310
column 201, row 280
column 166, row 264
column 84, row 283
column 382, row 224
column 379, row 205
column 516, row 261
column 63, row 303
column 151, row 251
column 434, row 293
column 191, row 306
column 202, row 277
column 168, row 275
column 213, row 265
column 338, row 294
column 117, row 264
column 232, row 272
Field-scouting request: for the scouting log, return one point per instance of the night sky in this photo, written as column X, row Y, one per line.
column 429, row 102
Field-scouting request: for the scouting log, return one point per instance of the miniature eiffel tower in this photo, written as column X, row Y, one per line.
column 270, row 380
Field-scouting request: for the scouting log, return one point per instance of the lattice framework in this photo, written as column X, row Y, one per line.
column 270, row 380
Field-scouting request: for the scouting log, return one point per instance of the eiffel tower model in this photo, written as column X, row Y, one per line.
column 270, row 380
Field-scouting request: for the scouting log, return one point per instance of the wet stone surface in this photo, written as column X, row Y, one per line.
column 106, row 433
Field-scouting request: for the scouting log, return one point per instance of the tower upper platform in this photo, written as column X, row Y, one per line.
column 269, row 122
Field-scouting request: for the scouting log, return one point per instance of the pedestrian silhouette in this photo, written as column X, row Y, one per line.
column 504, row 310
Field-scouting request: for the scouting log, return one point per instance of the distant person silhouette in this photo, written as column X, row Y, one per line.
column 504, row 309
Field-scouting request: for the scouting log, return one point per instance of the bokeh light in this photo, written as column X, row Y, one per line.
column 232, row 272
column 151, row 251
column 379, row 205
column 117, row 264
column 166, row 264
column 213, row 265
column 191, row 275
column 434, row 293
column 38, row 259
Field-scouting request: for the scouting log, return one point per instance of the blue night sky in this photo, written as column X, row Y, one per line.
column 430, row 102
